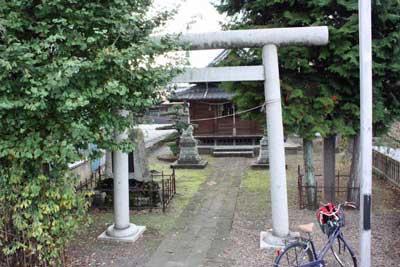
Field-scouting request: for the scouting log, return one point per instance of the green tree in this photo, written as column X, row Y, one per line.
column 332, row 70
column 66, row 68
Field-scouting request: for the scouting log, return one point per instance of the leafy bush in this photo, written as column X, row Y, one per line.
column 66, row 68
column 39, row 215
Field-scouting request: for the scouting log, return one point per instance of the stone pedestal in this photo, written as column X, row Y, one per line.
column 189, row 157
column 129, row 234
column 268, row 240
column 108, row 167
column 262, row 161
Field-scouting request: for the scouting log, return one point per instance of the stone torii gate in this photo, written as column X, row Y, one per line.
column 268, row 40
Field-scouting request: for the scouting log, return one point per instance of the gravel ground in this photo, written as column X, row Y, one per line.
column 86, row 250
column 252, row 215
column 251, row 218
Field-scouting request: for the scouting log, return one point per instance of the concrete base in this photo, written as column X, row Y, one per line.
column 256, row 165
column 130, row 234
column 269, row 241
column 201, row 165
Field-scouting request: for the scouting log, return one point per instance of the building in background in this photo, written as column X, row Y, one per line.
column 214, row 116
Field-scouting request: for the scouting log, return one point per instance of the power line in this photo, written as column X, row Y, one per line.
column 230, row 115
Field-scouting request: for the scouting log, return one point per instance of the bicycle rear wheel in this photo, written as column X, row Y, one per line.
column 293, row 255
column 343, row 255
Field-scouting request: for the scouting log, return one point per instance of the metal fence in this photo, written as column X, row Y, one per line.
column 159, row 195
column 168, row 187
column 386, row 167
column 92, row 181
column 341, row 188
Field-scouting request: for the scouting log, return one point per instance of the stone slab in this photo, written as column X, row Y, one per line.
column 201, row 165
column 132, row 238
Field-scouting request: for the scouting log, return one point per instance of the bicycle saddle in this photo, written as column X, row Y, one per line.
column 306, row 228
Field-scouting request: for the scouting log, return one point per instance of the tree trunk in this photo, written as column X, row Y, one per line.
column 329, row 168
column 309, row 173
column 354, row 180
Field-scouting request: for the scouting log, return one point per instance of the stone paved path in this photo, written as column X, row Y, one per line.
column 202, row 231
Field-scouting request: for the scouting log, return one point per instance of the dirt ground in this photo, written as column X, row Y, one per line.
column 226, row 206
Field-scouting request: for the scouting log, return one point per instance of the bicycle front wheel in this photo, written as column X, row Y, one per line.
column 343, row 255
column 293, row 255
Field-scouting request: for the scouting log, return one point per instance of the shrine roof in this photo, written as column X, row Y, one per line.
column 202, row 91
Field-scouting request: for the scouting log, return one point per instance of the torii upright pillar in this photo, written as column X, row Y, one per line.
column 122, row 229
column 272, row 91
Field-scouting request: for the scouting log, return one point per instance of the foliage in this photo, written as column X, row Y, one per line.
column 326, row 72
column 66, row 68
column 178, row 118
column 38, row 215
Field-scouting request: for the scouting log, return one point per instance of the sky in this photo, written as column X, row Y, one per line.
column 193, row 16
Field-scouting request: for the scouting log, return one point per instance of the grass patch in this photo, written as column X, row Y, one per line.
column 254, row 196
column 188, row 182
column 256, row 181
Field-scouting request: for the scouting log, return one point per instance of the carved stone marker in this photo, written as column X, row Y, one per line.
column 189, row 157
column 262, row 161
column 141, row 163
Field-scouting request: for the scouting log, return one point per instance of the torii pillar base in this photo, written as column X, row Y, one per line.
column 270, row 241
column 130, row 234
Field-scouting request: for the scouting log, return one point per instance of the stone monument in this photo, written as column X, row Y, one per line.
column 262, row 161
column 140, row 160
column 189, row 157
column 108, row 167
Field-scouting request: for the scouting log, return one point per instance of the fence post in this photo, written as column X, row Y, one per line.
column 163, row 194
column 173, row 173
column 300, row 187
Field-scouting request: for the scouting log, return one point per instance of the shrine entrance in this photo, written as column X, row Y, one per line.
column 269, row 40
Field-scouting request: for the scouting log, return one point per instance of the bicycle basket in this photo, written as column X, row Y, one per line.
column 329, row 218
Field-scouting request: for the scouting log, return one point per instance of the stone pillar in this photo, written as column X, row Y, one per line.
column 108, row 167
column 280, row 217
column 142, row 172
column 189, row 157
column 122, row 229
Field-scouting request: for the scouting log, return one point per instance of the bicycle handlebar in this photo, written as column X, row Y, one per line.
column 345, row 204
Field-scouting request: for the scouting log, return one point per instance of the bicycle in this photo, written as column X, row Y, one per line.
column 302, row 253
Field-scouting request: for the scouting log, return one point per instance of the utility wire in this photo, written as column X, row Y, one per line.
column 230, row 115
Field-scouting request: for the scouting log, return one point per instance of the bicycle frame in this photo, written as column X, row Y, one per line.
column 319, row 259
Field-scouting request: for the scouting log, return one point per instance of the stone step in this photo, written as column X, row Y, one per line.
column 233, row 148
column 247, row 154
